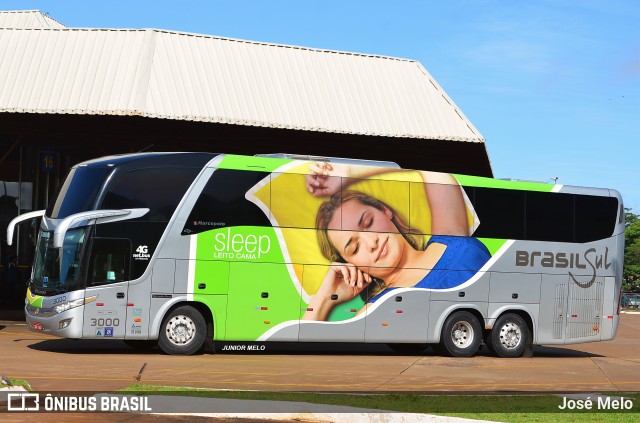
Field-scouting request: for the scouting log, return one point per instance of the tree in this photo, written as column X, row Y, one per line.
column 631, row 272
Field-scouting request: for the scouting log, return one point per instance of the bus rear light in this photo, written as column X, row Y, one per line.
column 38, row 326
column 398, row 311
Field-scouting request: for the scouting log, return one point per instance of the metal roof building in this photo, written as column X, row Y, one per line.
column 180, row 76
column 382, row 104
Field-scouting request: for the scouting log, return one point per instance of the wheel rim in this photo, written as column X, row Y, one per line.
column 180, row 330
column 510, row 335
column 462, row 334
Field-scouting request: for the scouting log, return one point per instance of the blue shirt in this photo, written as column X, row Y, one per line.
column 460, row 261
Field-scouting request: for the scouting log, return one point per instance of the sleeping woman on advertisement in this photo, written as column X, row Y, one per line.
column 370, row 245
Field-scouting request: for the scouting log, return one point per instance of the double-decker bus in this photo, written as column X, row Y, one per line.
column 184, row 249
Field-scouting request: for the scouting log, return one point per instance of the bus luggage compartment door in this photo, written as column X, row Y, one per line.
column 401, row 317
column 261, row 296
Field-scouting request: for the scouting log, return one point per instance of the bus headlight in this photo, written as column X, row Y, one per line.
column 68, row 305
column 72, row 304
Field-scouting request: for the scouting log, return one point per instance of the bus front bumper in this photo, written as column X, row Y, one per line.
column 67, row 324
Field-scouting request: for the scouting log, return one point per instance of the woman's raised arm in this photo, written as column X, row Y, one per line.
column 448, row 210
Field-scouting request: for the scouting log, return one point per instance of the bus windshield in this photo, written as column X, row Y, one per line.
column 57, row 269
column 79, row 191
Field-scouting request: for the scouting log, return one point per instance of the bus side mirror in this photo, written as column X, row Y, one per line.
column 21, row 218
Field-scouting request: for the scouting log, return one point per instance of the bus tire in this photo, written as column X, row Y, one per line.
column 510, row 336
column 461, row 335
column 410, row 348
column 183, row 331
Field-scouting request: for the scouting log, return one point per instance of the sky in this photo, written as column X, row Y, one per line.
column 552, row 85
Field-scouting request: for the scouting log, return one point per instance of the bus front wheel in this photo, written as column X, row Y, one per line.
column 461, row 335
column 182, row 332
column 509, row 336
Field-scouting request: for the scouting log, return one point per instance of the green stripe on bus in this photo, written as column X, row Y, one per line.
column 258, row 164
column 477, row 181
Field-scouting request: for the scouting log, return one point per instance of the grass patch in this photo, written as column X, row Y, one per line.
column 501, row 408
column 20, row 382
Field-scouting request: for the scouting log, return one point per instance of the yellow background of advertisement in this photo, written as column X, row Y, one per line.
column 294, row 210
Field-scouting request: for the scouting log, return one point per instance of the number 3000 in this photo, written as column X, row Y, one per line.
column 105, row 322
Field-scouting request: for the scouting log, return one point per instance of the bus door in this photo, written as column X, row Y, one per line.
column 108, row 281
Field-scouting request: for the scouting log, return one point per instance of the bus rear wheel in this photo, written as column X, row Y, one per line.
column 461, row 335
column 183, row 331
column 509, row 336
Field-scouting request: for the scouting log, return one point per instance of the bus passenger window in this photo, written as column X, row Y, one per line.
column 501, row 213
column 109, row 262
column 595, row 217
column 549, row 217
column 222, row 202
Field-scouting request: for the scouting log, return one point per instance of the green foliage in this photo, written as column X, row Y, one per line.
column 20, row 382
column 631, row 274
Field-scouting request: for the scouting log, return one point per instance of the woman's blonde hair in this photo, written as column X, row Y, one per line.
column 327, row 210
